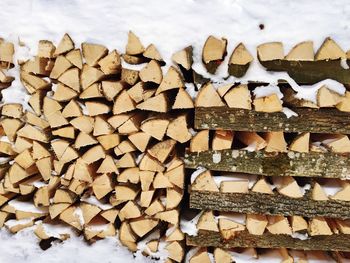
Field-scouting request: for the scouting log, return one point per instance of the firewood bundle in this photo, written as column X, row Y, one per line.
column 103, row 142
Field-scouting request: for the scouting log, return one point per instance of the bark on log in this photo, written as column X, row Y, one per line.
column 312, row 164
column 336, row 242
column 310, row 72
column 276, row 204
column 324, row 120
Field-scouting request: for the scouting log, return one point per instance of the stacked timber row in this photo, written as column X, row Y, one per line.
column 272, row 167
column 98, row 147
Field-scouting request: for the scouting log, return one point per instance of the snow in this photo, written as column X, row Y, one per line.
column 26, row 207
column 264, row 91
column 289, row 113
column 171, row 26
column 94, row 201
column 216, row 157
column 196, row 173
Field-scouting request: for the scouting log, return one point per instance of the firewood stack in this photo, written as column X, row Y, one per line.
column 99, row 147
column 272, row 167
column 102, row 145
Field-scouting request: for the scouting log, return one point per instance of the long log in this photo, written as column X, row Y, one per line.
column 323, row 120
column 310, row 72
column 312, row 164
column 335, row 242
column 276, row 204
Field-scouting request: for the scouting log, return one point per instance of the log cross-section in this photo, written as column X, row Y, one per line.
column 312, row 164
column 335, row 242
column 324, row 120
column 269, row 204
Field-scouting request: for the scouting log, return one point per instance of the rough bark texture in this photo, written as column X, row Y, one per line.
column 336, row 242
column 238, row 71
column 324, row 120
column 312, row 164
column 276, row 204
column 310, row 72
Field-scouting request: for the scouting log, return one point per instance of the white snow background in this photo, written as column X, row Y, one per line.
column 171, row 26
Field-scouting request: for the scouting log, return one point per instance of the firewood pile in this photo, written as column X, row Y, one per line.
column 106, row 143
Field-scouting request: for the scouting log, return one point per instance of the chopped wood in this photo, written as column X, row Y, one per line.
column 289, row 187
column 66, row 44
column 66, row 132
column 200, row 141
column 71, row 79
column 64, row 93
column 173, row 197
column 175, row 251
column 152, row 52
column 278, row 225
column 90, row 75
column 124, row 147
column 133, row 60
column 171, row 80
column 93, row 91
column 151, row 73
column 222, row 256
column 42, row 197
column 84, row 139
column 338, row 144
column 177, row 129
column 94, row 154
column 74, row 57
column 17, row 173
column 318, row 193
column 251, row 139
column 109, row 141
column 207, row 222
column 22, row 144
column 161, row 181
column 123, row 103
column 214, row 51
column 270, row 51
column 201, row 257
column 46, row 49
column 111, row 89
column 33, row 119
column 33, row 83
column 131, row 175
column 170, row 216
column 184, row 57
column 110, row 214
column 6, row 54
column 127, row 237
column 39, row 151
column 70, row 217
column 303, row 51
column 319, row 226
column 239, row 97
column 13, row 110
column 275, row 142
column 343, row 194
column 177, row 176
column 134, row 45
column 229, row 228
column 136, row 92
column 130, row 76
column 204, row 182
column 24, row 159
column 142, row 226
column 146, row 198
column 107, row 166
column 32, row 133
column 155, row 127
column 301, row 143
column 344, row 103
column 261, row 186
column 102, row 185
column 208, row 97
column 63, row 196
column 140, row 140
column 158, row 103
column 6, row 149
column 126, row 161
column 130, row 210
column 298, row 224
column 161, row 150
column 239, row 61
column 126, row 192
column 269, row 103
column 148, row 163
column 72, row 109
column 236, row 186
column 83, row 123
column 89, row 211
column 96, row 108
column 111, row 64
column 256, row 224
column 327, row 98
column 183, row 100
column 329, row 50
column 35, row 101
column 93, row 53
column 62, row 64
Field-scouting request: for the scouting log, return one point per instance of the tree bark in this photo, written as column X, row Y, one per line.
column 276, row 204
column 335, row 242
column 312, row 164
column 310, row 72
column 308, row 120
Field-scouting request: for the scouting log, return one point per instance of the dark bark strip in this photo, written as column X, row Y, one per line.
column 276, row 204
column 312, row 164
column 324, row 120
column 336, row 242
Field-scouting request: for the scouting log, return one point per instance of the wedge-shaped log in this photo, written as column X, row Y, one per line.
column 312, row 164
column 308, row 120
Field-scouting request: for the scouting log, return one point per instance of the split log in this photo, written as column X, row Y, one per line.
column 213, row 53
column 239, row 61
column 269, row 204
column 335, row 242
column 308, row 120
column 312, row 164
